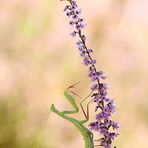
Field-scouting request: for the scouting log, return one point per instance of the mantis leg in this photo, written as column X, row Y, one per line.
column 71, row 99
column 86, row 114
column 87, row 110
column 53, row 109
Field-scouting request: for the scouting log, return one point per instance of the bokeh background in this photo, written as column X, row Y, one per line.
column 38, row 60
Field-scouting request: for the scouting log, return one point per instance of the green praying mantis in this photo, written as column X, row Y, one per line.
column 87, row 134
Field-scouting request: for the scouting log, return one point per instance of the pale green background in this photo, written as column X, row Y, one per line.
column 38, row 60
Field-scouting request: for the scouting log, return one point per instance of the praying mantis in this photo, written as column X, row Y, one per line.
column 87, row 134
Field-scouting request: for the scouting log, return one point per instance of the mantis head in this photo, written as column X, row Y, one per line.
column 52, row 108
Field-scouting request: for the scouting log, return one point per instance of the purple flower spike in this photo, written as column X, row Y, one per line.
column 105, row 107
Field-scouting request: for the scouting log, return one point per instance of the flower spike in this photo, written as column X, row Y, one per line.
column 105, row 106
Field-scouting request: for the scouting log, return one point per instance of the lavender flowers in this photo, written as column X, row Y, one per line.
column 105, row 107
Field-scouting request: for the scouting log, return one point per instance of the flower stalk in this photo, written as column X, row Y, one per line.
column 105, row 106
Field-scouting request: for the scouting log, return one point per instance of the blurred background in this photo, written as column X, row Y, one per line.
column 38, row 60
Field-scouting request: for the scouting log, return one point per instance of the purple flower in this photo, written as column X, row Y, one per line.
column 110, row 107
column 82, row 54
column 90, row 50
column 94, row 87
column 69, row 14
column 105, row 144
column 66, row 7
column 78, row 11
column 71, row 23
column 73, row 34
column 94, row 126
column 83, row 37
column 105, row 107
column 114, row 125
column 100, row 116
column 86, row 61
column 112, row 135
column 81, row 47
column 100, row 75
column 93, row 61
column 79, row 43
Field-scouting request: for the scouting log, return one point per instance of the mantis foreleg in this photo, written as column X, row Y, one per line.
column 72, row 102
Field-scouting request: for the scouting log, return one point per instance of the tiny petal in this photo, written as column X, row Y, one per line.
column 78, row 11
column 80, row 20
column 94, row 126
column 114, row 125
column 83, row 37
column 93, row 61
column 74, row 16
column 79, row 43
column 100, row 75
column 106, row 99
column 94, row 87
column 81, row 48
column 105, row 144
column 71, row 23
column 86, row 61
column 82, row 25
column 99, row 116
column 82, row 54
column 68, row 14
column 66, row 8
column 73, row 34
column 90, row 50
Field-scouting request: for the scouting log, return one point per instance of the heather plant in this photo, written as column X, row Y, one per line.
column 104, row 105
